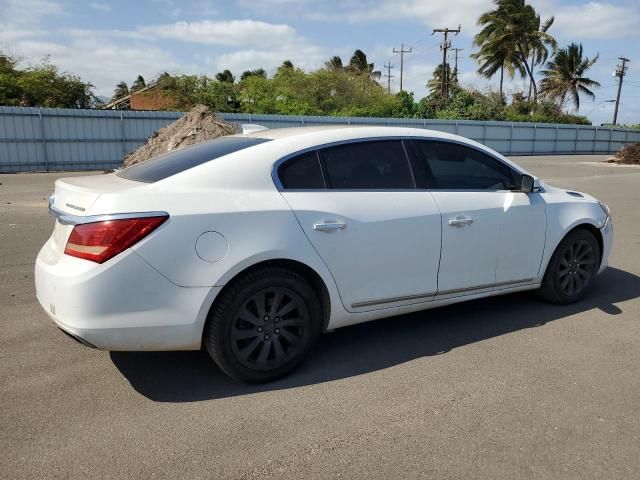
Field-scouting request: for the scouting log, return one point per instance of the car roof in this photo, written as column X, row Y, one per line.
column 298, row 138
column 346, row 131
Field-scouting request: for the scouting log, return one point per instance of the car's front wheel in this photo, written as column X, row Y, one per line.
column 572, row 268
column 263, row 325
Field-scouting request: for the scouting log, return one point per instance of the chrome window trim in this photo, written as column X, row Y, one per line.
column 402, row 138
column 70, row 219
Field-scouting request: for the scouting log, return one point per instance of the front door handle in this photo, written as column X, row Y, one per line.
column 329, row 227
column 460, row 221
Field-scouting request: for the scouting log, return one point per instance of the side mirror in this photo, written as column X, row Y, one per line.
column 528, row 184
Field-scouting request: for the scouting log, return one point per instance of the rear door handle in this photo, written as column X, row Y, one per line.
column 460, row 221
column 329, row 227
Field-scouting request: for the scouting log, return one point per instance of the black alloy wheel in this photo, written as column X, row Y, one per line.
column 572, row 269
column 576, row 267
column 270, row 328
column 263, row 324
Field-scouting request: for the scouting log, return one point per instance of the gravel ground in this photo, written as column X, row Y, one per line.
column 508, row 387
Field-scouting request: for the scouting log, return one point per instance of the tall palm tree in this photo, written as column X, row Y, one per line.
column 359, row 66
column 565, row 76
column 511, row 35
column 545, row 43
column 496, row 55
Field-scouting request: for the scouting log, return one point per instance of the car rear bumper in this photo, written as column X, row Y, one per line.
column 123, row 304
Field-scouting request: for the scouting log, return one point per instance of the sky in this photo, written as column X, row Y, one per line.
column 105, row 42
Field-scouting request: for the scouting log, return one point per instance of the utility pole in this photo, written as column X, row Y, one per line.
column 620, row 72
column 388, row 76
column 455, row 69
column 446, row 45
column 402, row 51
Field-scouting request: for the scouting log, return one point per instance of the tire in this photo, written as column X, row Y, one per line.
column 263, row 325
column 572, row 268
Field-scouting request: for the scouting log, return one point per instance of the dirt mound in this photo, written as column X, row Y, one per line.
column 198, row 125
column 629, row 155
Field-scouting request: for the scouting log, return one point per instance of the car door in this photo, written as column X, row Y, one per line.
column 492, row 235
column 377, row 234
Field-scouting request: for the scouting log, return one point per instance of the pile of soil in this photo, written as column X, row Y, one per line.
column 198, row 125
column 629, row 155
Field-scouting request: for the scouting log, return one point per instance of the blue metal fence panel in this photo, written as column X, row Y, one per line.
column 50, row 139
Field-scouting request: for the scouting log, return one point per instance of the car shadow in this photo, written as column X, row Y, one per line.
column 192, row 376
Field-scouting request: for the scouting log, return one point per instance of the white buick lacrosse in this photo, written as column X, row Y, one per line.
column 252, row 245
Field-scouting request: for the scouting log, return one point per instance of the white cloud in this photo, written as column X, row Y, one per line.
column 21, row 12
column 232, row 32
column 103, row 61
column 433, row 13
column 596, row 20
column 20, row 20
column 303, row 55
column 103, row 7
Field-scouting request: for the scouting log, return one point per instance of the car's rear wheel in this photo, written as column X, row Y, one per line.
column 263, row 325
column 572, row 268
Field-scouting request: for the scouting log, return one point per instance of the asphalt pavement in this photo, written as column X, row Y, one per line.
column 507, row 387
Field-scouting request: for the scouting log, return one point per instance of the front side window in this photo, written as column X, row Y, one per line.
column 367, row 165
column 451, row 166
column 301, row 172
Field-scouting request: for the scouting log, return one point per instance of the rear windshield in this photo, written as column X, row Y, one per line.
column 164, row 166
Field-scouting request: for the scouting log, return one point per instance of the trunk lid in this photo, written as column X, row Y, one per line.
column 76, row 195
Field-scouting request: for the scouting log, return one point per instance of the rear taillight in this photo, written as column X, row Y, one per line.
column 99, row 241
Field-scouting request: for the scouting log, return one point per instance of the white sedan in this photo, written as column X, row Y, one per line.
column 254, row 244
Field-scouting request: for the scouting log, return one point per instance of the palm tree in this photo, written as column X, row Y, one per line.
column 122, row 90
column 496, row 53
column 359, row 65
column 139, row 84
column 565, row 76
column 225, row 76
column 513, row 33
column 541, row 50
column 334, row 64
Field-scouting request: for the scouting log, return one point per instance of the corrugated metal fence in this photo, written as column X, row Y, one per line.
column 49, row 139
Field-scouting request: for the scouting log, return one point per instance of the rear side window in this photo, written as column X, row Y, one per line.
column 450, row 166
column 302, row 172
column 367, row 165
column 171, row 163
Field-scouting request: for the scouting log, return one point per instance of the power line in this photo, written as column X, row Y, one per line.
column 402, row 51
column 620, row 72
column 446, row 45
column 388, row 76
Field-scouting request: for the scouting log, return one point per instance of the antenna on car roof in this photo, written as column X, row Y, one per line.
column 248, row 128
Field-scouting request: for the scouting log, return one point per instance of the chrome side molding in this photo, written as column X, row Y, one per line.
column 458, row 291
column 369, row 303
